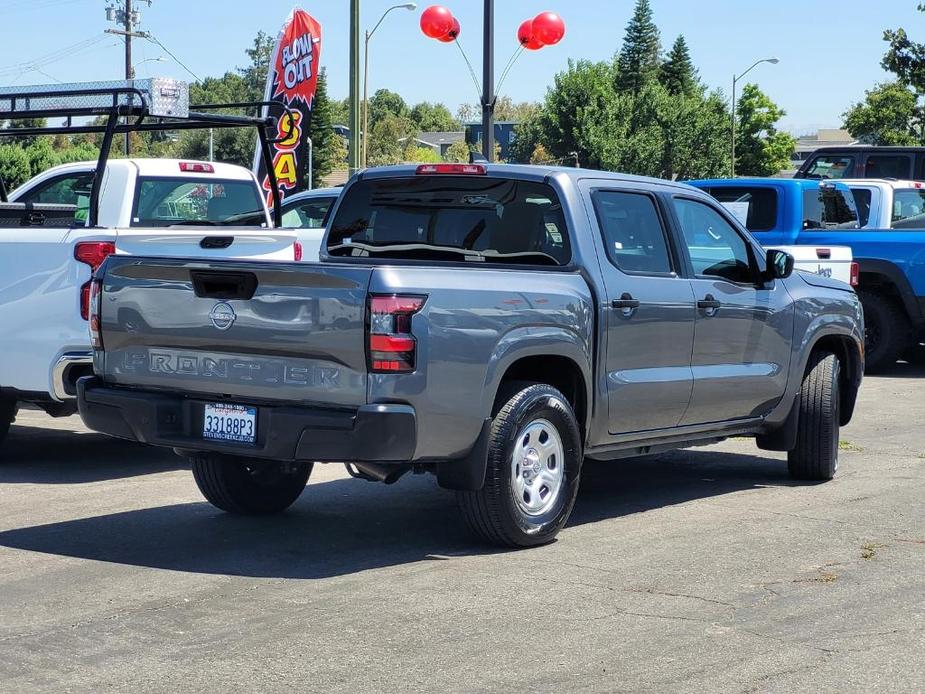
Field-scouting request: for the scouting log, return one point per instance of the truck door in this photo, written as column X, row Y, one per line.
column 648, row 311
column 743, row 333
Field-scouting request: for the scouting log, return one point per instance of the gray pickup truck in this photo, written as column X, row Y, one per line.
column 492, row 325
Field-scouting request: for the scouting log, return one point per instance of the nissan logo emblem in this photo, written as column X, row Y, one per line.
column 222, row 316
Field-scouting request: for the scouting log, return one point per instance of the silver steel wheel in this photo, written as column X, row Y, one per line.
column 537, row 467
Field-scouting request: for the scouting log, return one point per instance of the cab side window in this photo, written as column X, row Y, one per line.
column 66, row 190
column 633, row 233
column 716, row 249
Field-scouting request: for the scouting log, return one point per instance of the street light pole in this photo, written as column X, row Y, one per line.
column 735, row 81
column 410, row 6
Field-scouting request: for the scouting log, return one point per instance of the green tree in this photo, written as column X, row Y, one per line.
column 678, row 74
column 327, row 152
column 255, row 74
column 340, row 111
column 761, row 150
column 457, row 153
column 22, row 124
column 388, row 139
column 41, row 156
column 433, row 118
column 421, row 155
column 905, row 58
column 14, row 166
column 639, row 58
column 889, row 115
column 386, row 103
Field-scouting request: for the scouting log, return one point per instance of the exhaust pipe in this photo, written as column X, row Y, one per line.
column 373, row 472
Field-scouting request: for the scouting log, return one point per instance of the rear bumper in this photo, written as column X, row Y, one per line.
column 372, row 433
column 67, row 370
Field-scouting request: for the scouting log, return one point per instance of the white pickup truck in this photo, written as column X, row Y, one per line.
column 882, row 203
column 58, row 228
column 147, row 207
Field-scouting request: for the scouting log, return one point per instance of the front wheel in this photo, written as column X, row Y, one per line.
column 249, row 487
column 534, row 466
column 815, row 457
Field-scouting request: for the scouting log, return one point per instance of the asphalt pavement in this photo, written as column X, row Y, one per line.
column 704, row 570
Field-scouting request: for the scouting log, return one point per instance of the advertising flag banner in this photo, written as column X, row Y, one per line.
column 291, row 80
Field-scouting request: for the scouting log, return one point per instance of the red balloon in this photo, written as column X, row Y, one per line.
column 436, row 21
column 549, row 28
column 527, row 37
column 452, row 34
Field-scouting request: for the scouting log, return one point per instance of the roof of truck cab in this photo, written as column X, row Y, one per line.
column 528, row 172
column 895, row 183
column 791, row 183
column 158, row 167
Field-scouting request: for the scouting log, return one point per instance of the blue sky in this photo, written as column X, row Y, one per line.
column 830, row 51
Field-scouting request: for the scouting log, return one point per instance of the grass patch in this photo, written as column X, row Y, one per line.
column 844, row 445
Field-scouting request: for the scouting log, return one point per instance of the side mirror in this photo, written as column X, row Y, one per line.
column 778, row 265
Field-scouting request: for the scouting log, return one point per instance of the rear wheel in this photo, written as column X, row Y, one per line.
column 246, row 486
column 887, row 330
column 816, row 454
column 7, row 416
column 534, row 465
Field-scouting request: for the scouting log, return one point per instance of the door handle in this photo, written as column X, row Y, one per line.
column 626, row 303
column 708, row 305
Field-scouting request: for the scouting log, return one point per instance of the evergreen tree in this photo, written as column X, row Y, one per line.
column 321, row 131
column 678, row 73
column 639, row 58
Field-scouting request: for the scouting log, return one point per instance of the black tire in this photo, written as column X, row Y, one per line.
column 7, row 416
column 815, row 457
column 249, row 487
column 493, row 513
column 888, row 333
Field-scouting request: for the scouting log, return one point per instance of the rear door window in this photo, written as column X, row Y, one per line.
column 908, row 209
column 888, row 166
column 633, row 233
column 455, row 218
column 831, row 166
column 827, row 207
column 755, row 207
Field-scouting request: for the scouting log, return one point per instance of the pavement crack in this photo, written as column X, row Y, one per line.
column 654, row 591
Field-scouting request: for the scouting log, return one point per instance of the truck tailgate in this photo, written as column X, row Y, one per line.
column 828, row 261
column 186, row 242
column 251, row 331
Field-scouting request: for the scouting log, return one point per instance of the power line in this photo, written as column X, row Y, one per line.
column 54, row 56
column 153, row 39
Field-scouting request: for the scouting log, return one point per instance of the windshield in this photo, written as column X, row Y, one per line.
column 462, row 218
column 164, row 202
column 307, row 214
column 830, row 166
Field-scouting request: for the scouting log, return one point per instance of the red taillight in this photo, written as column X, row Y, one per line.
column 452, row 169
column 297, row 251
column 91, row 253
column 392, row 347
column 855, row 274
column 93, row 302
column 196, row 167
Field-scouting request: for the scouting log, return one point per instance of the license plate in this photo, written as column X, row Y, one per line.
column 235, row 423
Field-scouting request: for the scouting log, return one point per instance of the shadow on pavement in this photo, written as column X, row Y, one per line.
column 346, row 526
column 903, row 369
column 36, row 455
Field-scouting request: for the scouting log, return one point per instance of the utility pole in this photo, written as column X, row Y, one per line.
column 129, row 18
column 488, row 82
column 353, row 158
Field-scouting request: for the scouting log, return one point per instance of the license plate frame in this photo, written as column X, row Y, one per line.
column 229, row 423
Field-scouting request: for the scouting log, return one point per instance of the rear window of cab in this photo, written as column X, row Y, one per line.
column 473, row 219
column 754, row 206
